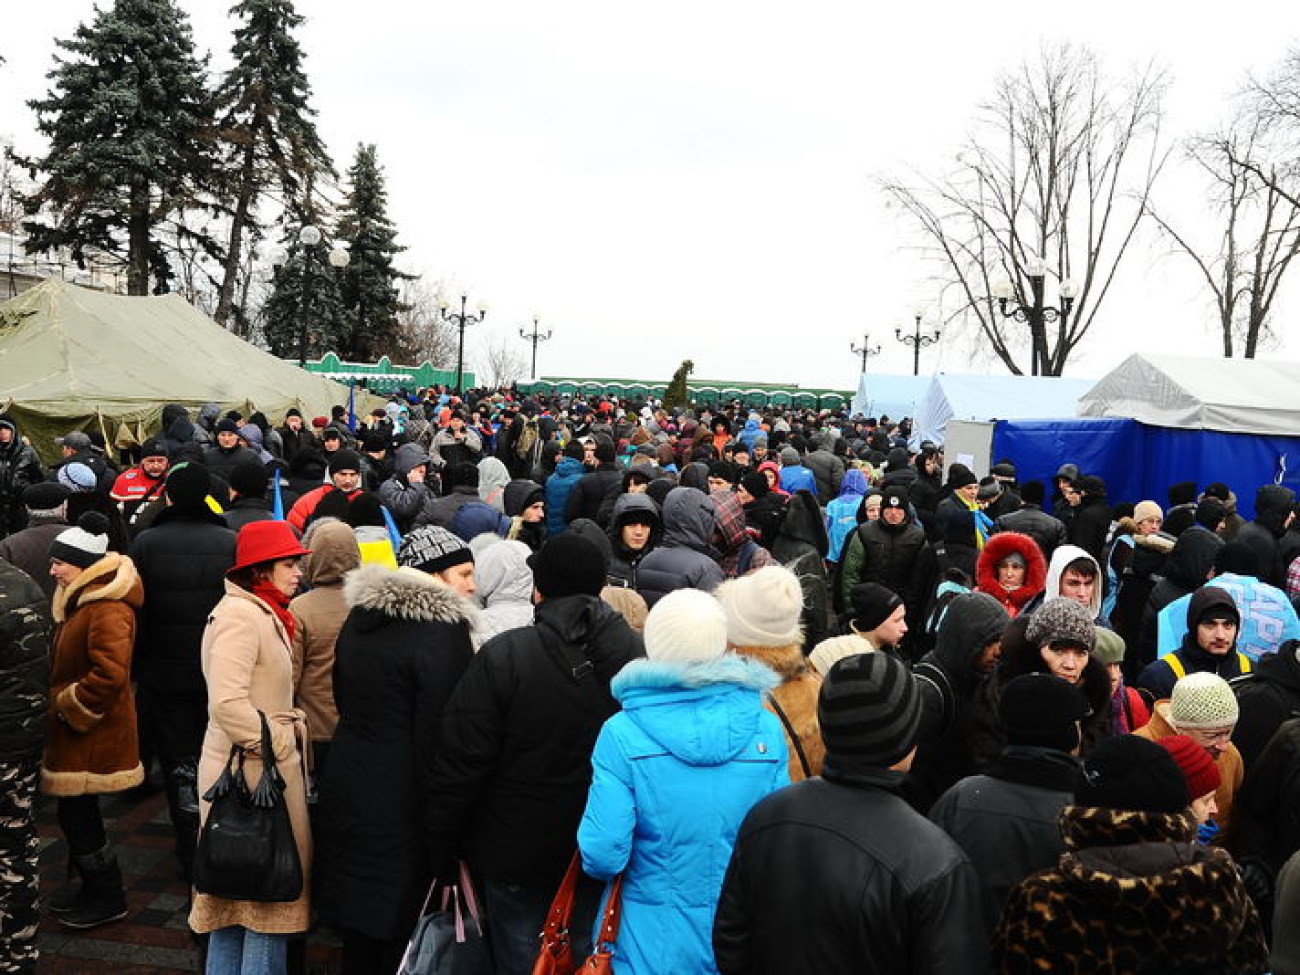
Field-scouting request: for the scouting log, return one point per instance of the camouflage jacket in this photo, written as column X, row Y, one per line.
column 24, row 664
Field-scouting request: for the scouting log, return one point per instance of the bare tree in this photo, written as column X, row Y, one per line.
column 1257, row 233
column 1053, row 182
column 421, row 332
column 503, row 362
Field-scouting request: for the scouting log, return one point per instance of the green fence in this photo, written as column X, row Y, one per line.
column 385, row 377
column 702, row 392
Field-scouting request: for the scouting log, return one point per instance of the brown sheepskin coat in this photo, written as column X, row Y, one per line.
column 91, row 744
column 797, row 697
column 248, row 667
column 1231, row 770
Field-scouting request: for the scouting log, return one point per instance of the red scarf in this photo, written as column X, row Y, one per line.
column 278, row 602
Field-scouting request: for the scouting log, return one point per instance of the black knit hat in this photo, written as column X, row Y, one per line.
column 45, row 495
column 1129, row 772
column 1041, row 710
column 344, row 459
column 960, row 476
column 755, row 483
column 568, row 565
column 1237, row 558
column 227, row 425
column 894, row 496
column 188, row 486
column 872, row 604
column 461, row 474
column 869, row 711
column 433, row 549
column 249, row 479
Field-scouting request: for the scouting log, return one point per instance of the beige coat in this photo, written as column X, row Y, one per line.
column 319, row 616
column 247, row 664
column 797, row 697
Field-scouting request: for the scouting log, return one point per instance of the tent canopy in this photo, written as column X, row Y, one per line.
column 1185, row 392
column 959, row 397
column 894, row 396
column 73, row 358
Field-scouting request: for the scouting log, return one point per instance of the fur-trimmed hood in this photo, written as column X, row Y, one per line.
column 997, row 548
column 703, row 714
column 112, row 577
column 405, row 594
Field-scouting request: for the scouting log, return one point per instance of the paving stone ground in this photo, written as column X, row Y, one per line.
column 154, row 938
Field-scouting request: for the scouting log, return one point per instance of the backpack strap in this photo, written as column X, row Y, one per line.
column 790, row 733
column 936, row 678
column 1243, row 663
column 1176, row 665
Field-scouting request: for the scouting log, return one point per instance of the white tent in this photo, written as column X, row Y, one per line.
column 989, row 398
column 1183, row 392
column 893, row 396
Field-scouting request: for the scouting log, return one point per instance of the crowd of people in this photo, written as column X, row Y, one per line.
column 818, row 699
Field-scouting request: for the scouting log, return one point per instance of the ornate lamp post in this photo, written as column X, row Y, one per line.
column 1036, row 312
column 866, row 351
column 309, row 236
column 917, row 341
column 535, row 336
column 460, row 319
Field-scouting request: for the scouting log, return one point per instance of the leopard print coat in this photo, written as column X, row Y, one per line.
column 1132, row 894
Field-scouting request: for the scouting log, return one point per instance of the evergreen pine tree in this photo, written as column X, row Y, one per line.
column 129, row 126
column 370, row 282
column 305, row 294
column 677, row 395
column 268, row 127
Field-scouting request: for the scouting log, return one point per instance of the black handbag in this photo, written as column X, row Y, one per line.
column 246, row 850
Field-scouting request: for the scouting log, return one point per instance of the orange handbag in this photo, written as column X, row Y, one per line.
column 601, row 961
column 556, row 954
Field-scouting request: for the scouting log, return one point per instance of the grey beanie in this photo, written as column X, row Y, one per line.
column 1062, row 620
column 869, row 711
column 789, row 457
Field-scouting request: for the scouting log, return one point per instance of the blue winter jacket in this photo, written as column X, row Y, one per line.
column 674, row 773
column 558, row 488
column 842, row 512
column 798, row 478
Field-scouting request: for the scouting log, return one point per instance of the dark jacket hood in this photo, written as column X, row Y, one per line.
column 1192, row 557
column 592, row 532
column 803, row 523
column 973, row 621
column 519, row 494
column 629, row 505
column 689, row 519
column 695, row 475
column 1272, row 505
column 334, row 552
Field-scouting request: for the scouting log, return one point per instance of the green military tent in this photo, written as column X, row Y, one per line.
column 76, row 359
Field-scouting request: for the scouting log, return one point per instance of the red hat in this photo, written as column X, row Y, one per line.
column 265, row 541
column 1195, row 763
column 320, row 421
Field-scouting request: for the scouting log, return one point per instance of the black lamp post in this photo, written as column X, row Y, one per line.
column 917, row 341
column 535, row 336
column 308, row 236
column 866, row 351
column 1036, row 313
column 460, row 320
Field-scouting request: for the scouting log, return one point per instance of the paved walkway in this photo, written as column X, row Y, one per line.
column 153, row 939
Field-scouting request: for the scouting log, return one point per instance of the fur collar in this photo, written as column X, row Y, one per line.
column 730, row 668
column 112, row 577
column 789, row 661
column 406, row 594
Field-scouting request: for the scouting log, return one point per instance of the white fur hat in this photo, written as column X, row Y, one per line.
column 686, row 626
column 763, row 608
column 826, row 653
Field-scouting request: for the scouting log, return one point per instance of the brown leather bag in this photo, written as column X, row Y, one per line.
column 556, row 954
column 601, row 961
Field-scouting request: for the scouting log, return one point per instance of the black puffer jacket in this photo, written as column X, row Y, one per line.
column 182, row 560
column 24, row 664
column 838, row 874
column 801, row 546
column 514, row 763
column 948, row 679
column 684, row 559
column 400, row 653
column 1267, row 697
column 828, row 472
column 1090, row 525
column 1032, row 520
column 585, row 498
column 19, row 469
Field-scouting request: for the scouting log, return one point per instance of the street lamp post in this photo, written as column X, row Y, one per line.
column 1036, row 313
column 866, row 351
column 460, row 320
column 535, row 336
column 308, row 236
column 917, row 341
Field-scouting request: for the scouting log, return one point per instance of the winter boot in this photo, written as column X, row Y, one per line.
column 66, row 897
column 101, row 898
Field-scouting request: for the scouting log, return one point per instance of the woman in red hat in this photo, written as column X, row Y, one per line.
column 248, row 667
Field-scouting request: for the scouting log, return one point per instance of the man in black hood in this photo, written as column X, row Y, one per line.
column 1190, row 563
column 19, row 469
column 1272, row 516
column 1210, row 644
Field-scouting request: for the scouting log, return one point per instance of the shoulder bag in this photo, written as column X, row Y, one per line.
column 246, row 850
column 601, row 961
column 555, row 957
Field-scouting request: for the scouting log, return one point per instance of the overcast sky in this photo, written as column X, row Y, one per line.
column 695, row 179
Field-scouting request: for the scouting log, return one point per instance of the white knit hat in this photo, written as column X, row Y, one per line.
column 826, row 653
column 1202, row 701
column 763, row 608
column 686, row 626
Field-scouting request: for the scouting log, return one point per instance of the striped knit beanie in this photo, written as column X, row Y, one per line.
column 869, row 710
column 85, row 543
column 433, row 549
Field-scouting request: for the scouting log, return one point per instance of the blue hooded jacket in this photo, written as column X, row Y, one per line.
column 842, row 512
column 674, row 774
column 558, row 488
